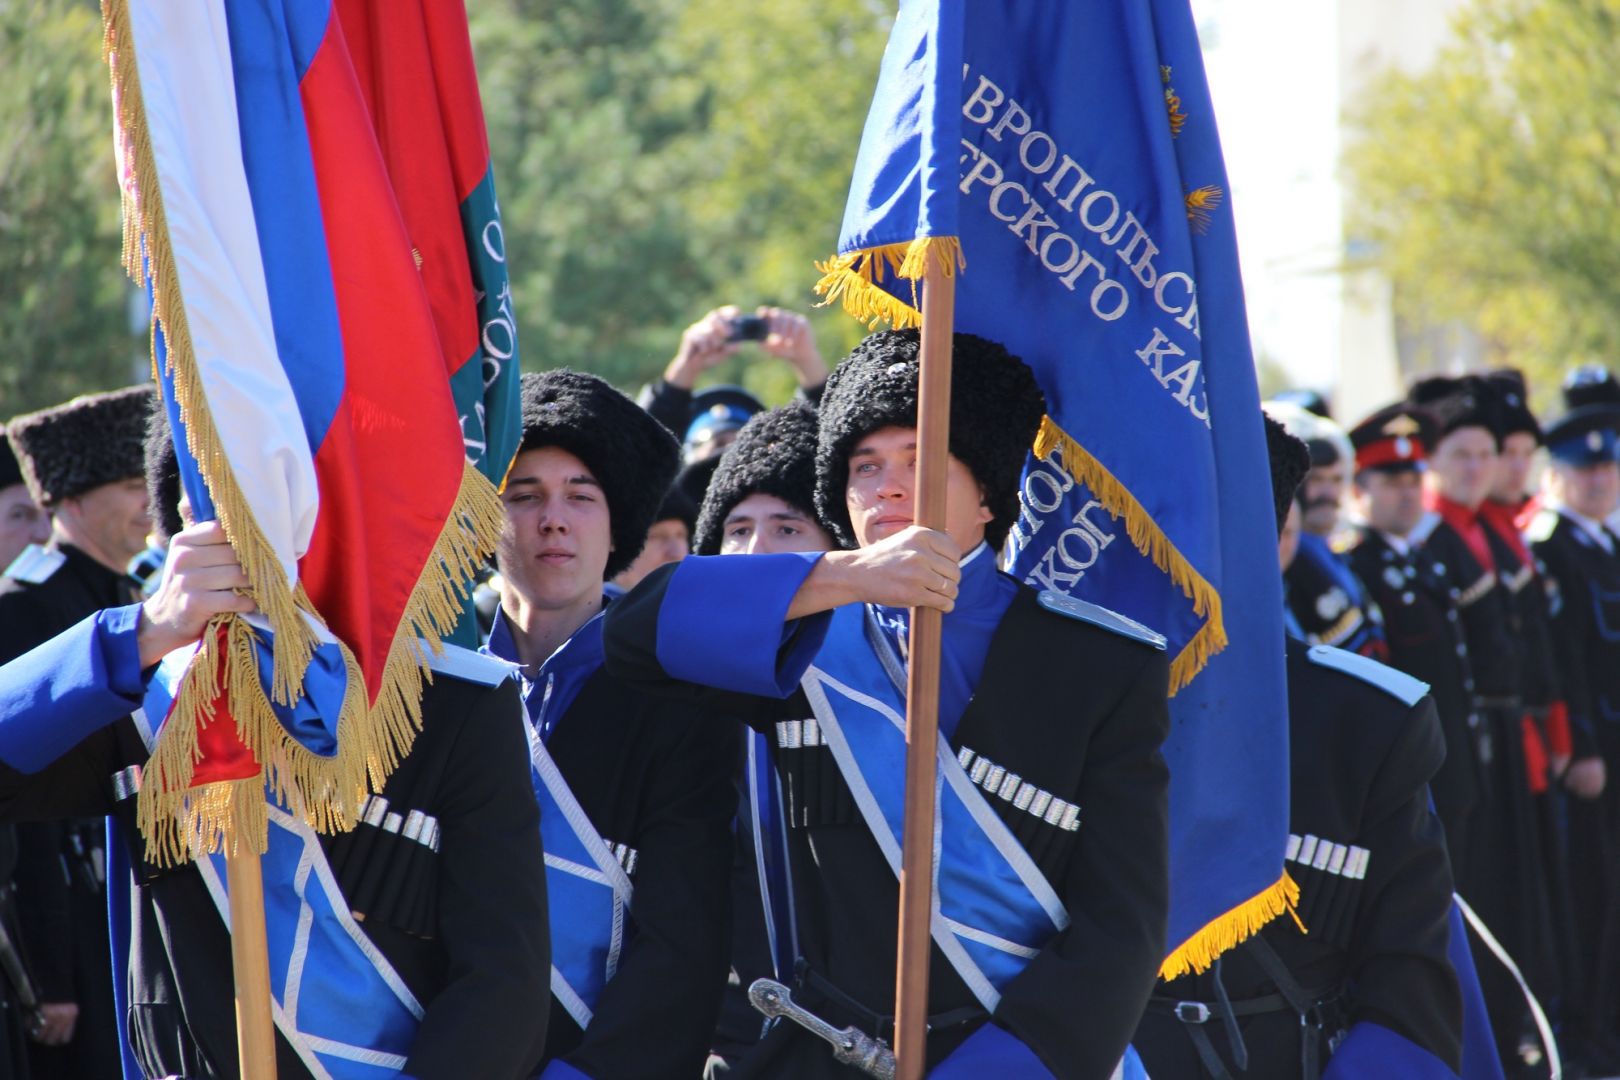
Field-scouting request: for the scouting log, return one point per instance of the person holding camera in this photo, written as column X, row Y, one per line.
column 717, row 336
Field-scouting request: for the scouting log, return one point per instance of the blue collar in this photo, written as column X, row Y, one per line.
column 982, row 600
column 552, row 689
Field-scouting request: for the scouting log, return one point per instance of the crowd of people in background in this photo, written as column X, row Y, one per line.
column 1457, row 537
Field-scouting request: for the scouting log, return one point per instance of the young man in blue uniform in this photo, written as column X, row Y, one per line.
column 420, row 935
column 636, row 798
column 1572, row 536
column 1052, row 881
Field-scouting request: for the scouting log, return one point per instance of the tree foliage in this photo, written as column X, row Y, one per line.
column 653, row 159
column 1487, row 184
column 656, row 158
column 64, row 326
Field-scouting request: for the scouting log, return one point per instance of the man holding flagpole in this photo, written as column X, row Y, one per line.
column 415, row 943
column 1051, row 878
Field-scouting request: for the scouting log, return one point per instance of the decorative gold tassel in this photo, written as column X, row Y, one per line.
column 1198, row 952
column 177, row 820
column 854, row 278
column 1201, row 203
column 1151, row 541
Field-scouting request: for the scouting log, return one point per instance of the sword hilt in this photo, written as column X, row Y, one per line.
column 850, row 1045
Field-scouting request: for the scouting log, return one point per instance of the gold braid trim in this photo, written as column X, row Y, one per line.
column 1151, row 541
column 1198, row 952
column 853, row 278
column 177, row 820
column 146, row 236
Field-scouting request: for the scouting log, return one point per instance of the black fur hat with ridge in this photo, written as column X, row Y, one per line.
column 1458, row 402
column 632, row 456
column 1513, row 413
column 1290, row 461
column 996, row 409
column 72, row 448
column 773, row 454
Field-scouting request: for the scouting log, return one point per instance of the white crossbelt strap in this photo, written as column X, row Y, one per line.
column 1543, row 1028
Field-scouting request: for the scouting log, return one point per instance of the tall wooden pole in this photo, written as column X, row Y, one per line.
column 250, row 964
column 922, row 685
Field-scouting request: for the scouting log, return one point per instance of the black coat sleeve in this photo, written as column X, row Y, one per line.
column 630, row 644
column 489, row 1020
column 1570, row 628
column 1400, row 975
column 77, row 784
column 1078, row 1002
column 656, row 1016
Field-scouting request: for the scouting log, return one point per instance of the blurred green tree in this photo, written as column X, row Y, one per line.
column 1486, row 186
column 64, row 301
column 657, row 158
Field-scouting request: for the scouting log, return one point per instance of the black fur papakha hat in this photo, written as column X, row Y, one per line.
column 678, row 506
column 94, row 439
column 631, row 455
column 996, row 409
column 773, row 454
column 1512, row 400
column 1457, row 402
column 1290, row 461
column 162, row 473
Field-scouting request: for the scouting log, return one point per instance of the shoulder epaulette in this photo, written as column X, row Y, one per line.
column 1541, row 526
column 469, row 666
column 1397, row 684
column 35, row 565
column 1424, row 528
column 1097, row 615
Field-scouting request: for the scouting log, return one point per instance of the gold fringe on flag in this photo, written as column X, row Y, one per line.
column 180, row 821
column 148, row 259
column 1198, row 952
column 854, row 278
column 1151, row 541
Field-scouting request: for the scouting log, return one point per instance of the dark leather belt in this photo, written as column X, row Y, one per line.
column 1310, row 1004
column 830, row 1003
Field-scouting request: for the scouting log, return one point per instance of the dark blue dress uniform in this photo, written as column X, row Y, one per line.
column 1583, row 556
column 1330, row 604
column 61, row 869
column 1422, row 626
column 1375, row 895
column 1424, row 634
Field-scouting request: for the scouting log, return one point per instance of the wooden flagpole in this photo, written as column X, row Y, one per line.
column 250, row 962
column 922, row 683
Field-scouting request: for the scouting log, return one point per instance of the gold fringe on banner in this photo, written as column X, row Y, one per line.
column 1198, row 952
column 854, row 278
column 177, row 820
column 1151, row 541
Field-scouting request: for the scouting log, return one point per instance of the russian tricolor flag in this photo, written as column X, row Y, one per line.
column 308, row 194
